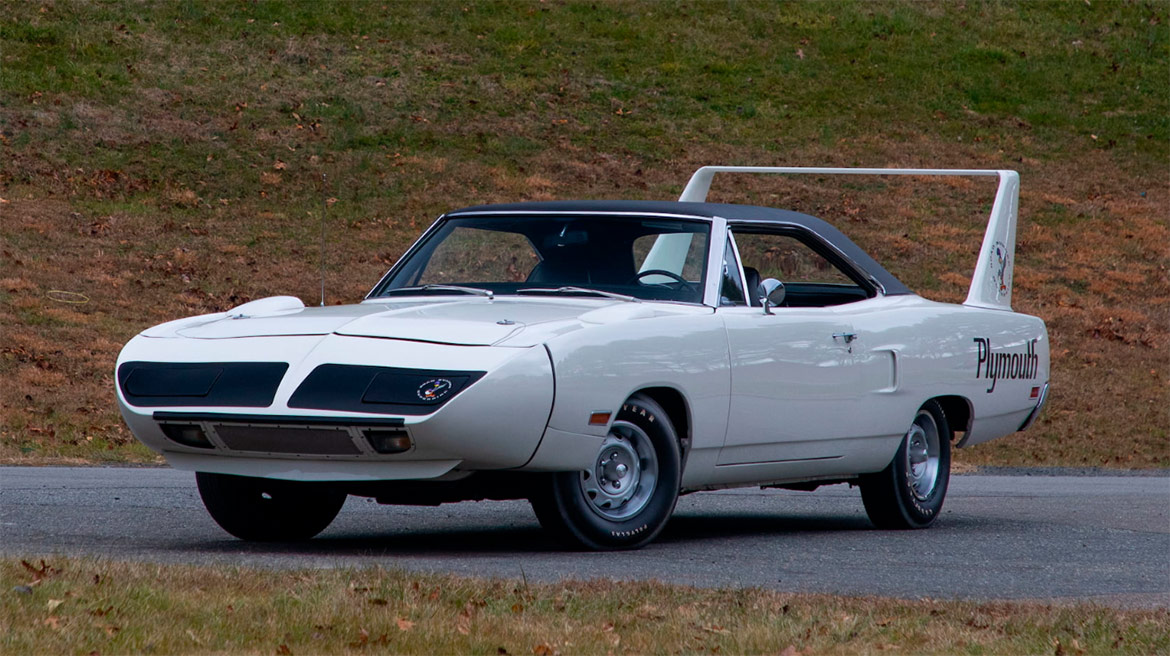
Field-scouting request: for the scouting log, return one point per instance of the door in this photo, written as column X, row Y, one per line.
column 796, row 384
column 793, row 380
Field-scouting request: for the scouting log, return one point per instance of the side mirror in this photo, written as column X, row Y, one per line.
column 772, row 292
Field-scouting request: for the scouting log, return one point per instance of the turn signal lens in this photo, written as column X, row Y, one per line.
column 599, row 419
column 388, row 441
column 191, row 435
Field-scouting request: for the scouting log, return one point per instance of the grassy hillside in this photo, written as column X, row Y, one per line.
column 165, row 159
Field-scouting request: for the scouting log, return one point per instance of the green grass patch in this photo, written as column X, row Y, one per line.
column 85, row 606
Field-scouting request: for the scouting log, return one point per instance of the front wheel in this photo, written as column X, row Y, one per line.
column 909, row 492
column 627, row 495
column 268, row 510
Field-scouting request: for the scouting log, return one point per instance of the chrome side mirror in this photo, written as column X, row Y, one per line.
column 772, row 292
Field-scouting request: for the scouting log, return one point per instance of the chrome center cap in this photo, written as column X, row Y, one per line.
column 616, row 469
column 917, row 450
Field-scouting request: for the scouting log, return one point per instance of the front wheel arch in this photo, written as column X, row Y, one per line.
column 677, row 410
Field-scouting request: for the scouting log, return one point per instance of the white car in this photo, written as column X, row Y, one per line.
column 598, row 358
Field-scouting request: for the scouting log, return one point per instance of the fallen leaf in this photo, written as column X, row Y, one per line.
column 543, row 649
column 800, row 53
column 52, row 622
column 283, row 650
column 53, row 603
column 405, row 624
column 517, row 607
column 279, row 165
column 715, row 628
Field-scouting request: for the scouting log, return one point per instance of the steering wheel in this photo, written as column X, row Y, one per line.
column 659, row 272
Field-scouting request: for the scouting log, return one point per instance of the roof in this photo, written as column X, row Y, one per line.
column 737, row 213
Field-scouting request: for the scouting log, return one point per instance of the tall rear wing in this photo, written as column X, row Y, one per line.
column 991, row 286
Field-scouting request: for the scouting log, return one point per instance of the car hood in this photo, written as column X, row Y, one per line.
column 509, row 321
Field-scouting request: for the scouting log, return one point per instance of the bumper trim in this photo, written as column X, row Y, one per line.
column 233, row 418
column 1032, row 416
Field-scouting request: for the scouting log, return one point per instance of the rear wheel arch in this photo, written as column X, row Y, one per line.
column 958, row 412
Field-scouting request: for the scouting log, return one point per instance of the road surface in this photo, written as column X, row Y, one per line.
column 1104, row 539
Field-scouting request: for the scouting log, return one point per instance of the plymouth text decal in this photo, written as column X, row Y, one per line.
column 1012, row 366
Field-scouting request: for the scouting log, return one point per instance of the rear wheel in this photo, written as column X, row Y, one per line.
column 627, row 495
column 268, row 510
column 909, row 492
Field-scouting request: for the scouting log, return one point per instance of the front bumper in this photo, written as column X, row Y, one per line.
column 496, row 421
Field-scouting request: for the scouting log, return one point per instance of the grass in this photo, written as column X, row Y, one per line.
column 166, row 159
column 96, row 606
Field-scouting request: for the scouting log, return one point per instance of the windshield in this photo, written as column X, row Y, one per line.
column 643, row 258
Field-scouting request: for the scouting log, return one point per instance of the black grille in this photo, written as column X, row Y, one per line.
column 313, row 440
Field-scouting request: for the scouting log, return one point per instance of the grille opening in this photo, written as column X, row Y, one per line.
column 313, row 440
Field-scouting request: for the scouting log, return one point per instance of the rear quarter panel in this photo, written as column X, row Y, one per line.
column 991, row 358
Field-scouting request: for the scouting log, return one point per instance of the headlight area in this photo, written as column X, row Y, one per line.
column 227, row 384
column 301, row 436
column 383, row 390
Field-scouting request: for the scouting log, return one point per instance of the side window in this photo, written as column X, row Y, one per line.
column 811, row 279
column 460, row 258
column 731, row 290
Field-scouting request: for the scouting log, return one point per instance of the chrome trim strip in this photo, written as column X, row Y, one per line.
column 1032, row 416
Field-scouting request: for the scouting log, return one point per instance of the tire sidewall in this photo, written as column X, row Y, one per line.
column 598, row 532
column 924, row 512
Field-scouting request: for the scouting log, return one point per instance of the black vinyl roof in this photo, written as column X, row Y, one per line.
column 734, row 213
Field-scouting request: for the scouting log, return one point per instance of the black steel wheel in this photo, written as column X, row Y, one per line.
column 628, row 493
column 269, row 510
column 909, row 492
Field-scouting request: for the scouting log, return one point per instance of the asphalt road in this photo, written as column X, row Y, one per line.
column 1053, row 538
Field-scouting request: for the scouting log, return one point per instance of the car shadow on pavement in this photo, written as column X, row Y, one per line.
column 698, row 527
column 531, row 539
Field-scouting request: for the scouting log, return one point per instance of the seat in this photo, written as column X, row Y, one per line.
column 752, row 282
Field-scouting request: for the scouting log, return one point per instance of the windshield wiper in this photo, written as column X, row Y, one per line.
column 475, row 291
column 578, row 291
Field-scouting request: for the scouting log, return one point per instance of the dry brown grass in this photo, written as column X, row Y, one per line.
column 90, row 606
column 165, row 161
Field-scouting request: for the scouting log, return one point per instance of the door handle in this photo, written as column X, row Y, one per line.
column 847, row 337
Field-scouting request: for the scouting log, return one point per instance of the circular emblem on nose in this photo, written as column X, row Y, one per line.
column 434, row 389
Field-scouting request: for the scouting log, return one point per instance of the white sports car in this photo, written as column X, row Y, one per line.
column 598, row 358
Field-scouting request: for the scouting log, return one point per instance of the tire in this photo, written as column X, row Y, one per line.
column 622, row 502
column 268, row 510
column 909, row 492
